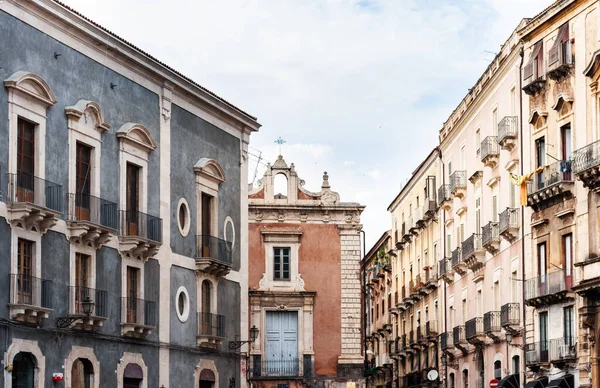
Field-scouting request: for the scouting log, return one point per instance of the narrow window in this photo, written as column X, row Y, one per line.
column 25, row 161
column 82, row 181
column 569, row 326
column 465, row 378
column 495, row 208
column 25, row 272
column 543, row 317
column 82, row 271
column 495, row 121
column 496, row 296
column 281, row 263
column 132, row 294
column 542, row 262
column 206, row 203
column 478, row 141
column 540, row 158
column 567, row 243
column 132, row 201
column 565, row 135
column 498, row 370
column 478, row 215
column 516, row 365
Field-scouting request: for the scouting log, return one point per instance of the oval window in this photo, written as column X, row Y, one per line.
column 182, row 308
column 183, row 217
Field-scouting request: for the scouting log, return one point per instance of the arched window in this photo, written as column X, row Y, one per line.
column 498, row 369
column 465, row 376
column 516, row 365
column 23, row 373
column 82, row 374
column 207, row 378
column 132, row 376
column 451, row 380
column 280, row 186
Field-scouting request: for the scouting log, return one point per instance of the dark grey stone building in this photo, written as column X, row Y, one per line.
column 123, row 212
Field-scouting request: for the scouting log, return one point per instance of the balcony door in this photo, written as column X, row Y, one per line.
column 82, row 192
column 132, row 293
column 82, row 272
column 282, row 343
column 206, row 221
column 133, row 199
column 543, row 316
column 23, row 373
column 206, row 321
column 542, row 268
column 567, row 241
column 540, row 157
column 25, row 184
column 25, row 272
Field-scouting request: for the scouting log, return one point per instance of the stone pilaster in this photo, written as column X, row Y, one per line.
column 351, row 359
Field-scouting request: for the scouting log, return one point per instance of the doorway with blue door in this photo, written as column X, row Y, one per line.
column 282, row 343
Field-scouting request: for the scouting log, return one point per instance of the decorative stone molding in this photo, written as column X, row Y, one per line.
column 17, row 346
column 131, row 358
column 137, row 135
column 84, row 353
column 31, row 85
column 205, row 365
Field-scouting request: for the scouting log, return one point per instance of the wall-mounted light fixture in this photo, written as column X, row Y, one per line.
column 87, row 307
column 238, row 344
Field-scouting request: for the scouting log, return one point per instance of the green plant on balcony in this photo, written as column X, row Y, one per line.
column 383, row 258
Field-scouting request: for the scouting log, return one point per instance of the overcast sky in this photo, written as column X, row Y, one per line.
column 358, row 88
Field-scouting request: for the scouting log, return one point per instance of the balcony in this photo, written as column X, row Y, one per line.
column 509, row 224
column 560, row 61
column 412, row 339
column 33, row 203
column 460, row 340
column 96, row 320
column 140, row 234
column 430, row 209
column 536, row 353
column 534, row 79
column 431, row 330
column 563, row 350
column 508, row 129
column 211, row 329
column 138, row 317
column 446, row 341
column 473, row 254
column 420, row 284
column 490, row 237
column 406, row 298
column 586, row 165
column 412, row 225
column 510, row 320
column 446, row 271
column 91, row 220
column 458, row 184
column 287, row 368
column 554, row 183
column 402, row 346
column 444, row 197
column 490, row 152
column 475, row 333
column 548, row 289
column 421, row 337
column 214, row 256
column 457, row 263
column 30, row 299
column 431, row 278
column 414, row 288
column 406, row 234
column 491, row 325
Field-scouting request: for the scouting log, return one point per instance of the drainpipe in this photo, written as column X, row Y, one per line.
column 522, row 369
column 444, row 256
column 364, row 306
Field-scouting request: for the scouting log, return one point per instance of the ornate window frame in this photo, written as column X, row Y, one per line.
column 29, row 97
column 36, row 238
column 281, row 238
column 209, row 176
column 76, row 353
column 205, row 364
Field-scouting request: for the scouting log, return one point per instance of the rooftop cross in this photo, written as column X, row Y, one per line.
column 280, row 141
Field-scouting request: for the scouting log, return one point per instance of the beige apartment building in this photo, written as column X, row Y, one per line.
column 481, row 220
column 561, row 105
column 379, row 343
column 416, row 308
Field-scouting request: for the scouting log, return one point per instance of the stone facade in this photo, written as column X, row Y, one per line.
column 304, row 260
column 107, row 212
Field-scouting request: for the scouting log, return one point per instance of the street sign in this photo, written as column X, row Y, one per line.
column 493, row 383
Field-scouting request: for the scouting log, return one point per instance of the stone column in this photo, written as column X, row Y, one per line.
column 350, row 362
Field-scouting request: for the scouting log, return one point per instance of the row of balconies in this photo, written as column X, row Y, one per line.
column 416, row 339
column 416, row 222
column 37, row 204
column 560, row 62
column 476, row 330
column 31, row 302
column 423, row 284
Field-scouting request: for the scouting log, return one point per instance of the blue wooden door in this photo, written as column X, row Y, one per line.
column 282, row 343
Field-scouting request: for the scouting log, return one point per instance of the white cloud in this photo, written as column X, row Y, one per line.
column 339, row 81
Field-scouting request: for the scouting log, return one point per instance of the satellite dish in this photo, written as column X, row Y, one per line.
column 432, row 375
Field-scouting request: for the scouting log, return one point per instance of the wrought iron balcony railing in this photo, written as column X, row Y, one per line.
column 510, row 314
column 25, row 188
column 471, row 245
column 444, row 194
column 554, row 173
column 458, row 334
column 586, row 157
column 211, row 325
column 138, row 311
column 489, row 147
column 537, row 352
column 509, row 219
column 491, row 321
column 77, row 295
column 474, row 328
column 458, row 180
column 456, row 257
column 545, row 285
column 446, row 341
column 507, row 128
column 30, row 291
column 563, row 349
column 276, row 368
column 85, row 207
column 136, row 223
column 431, row 328
column 490, row 233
